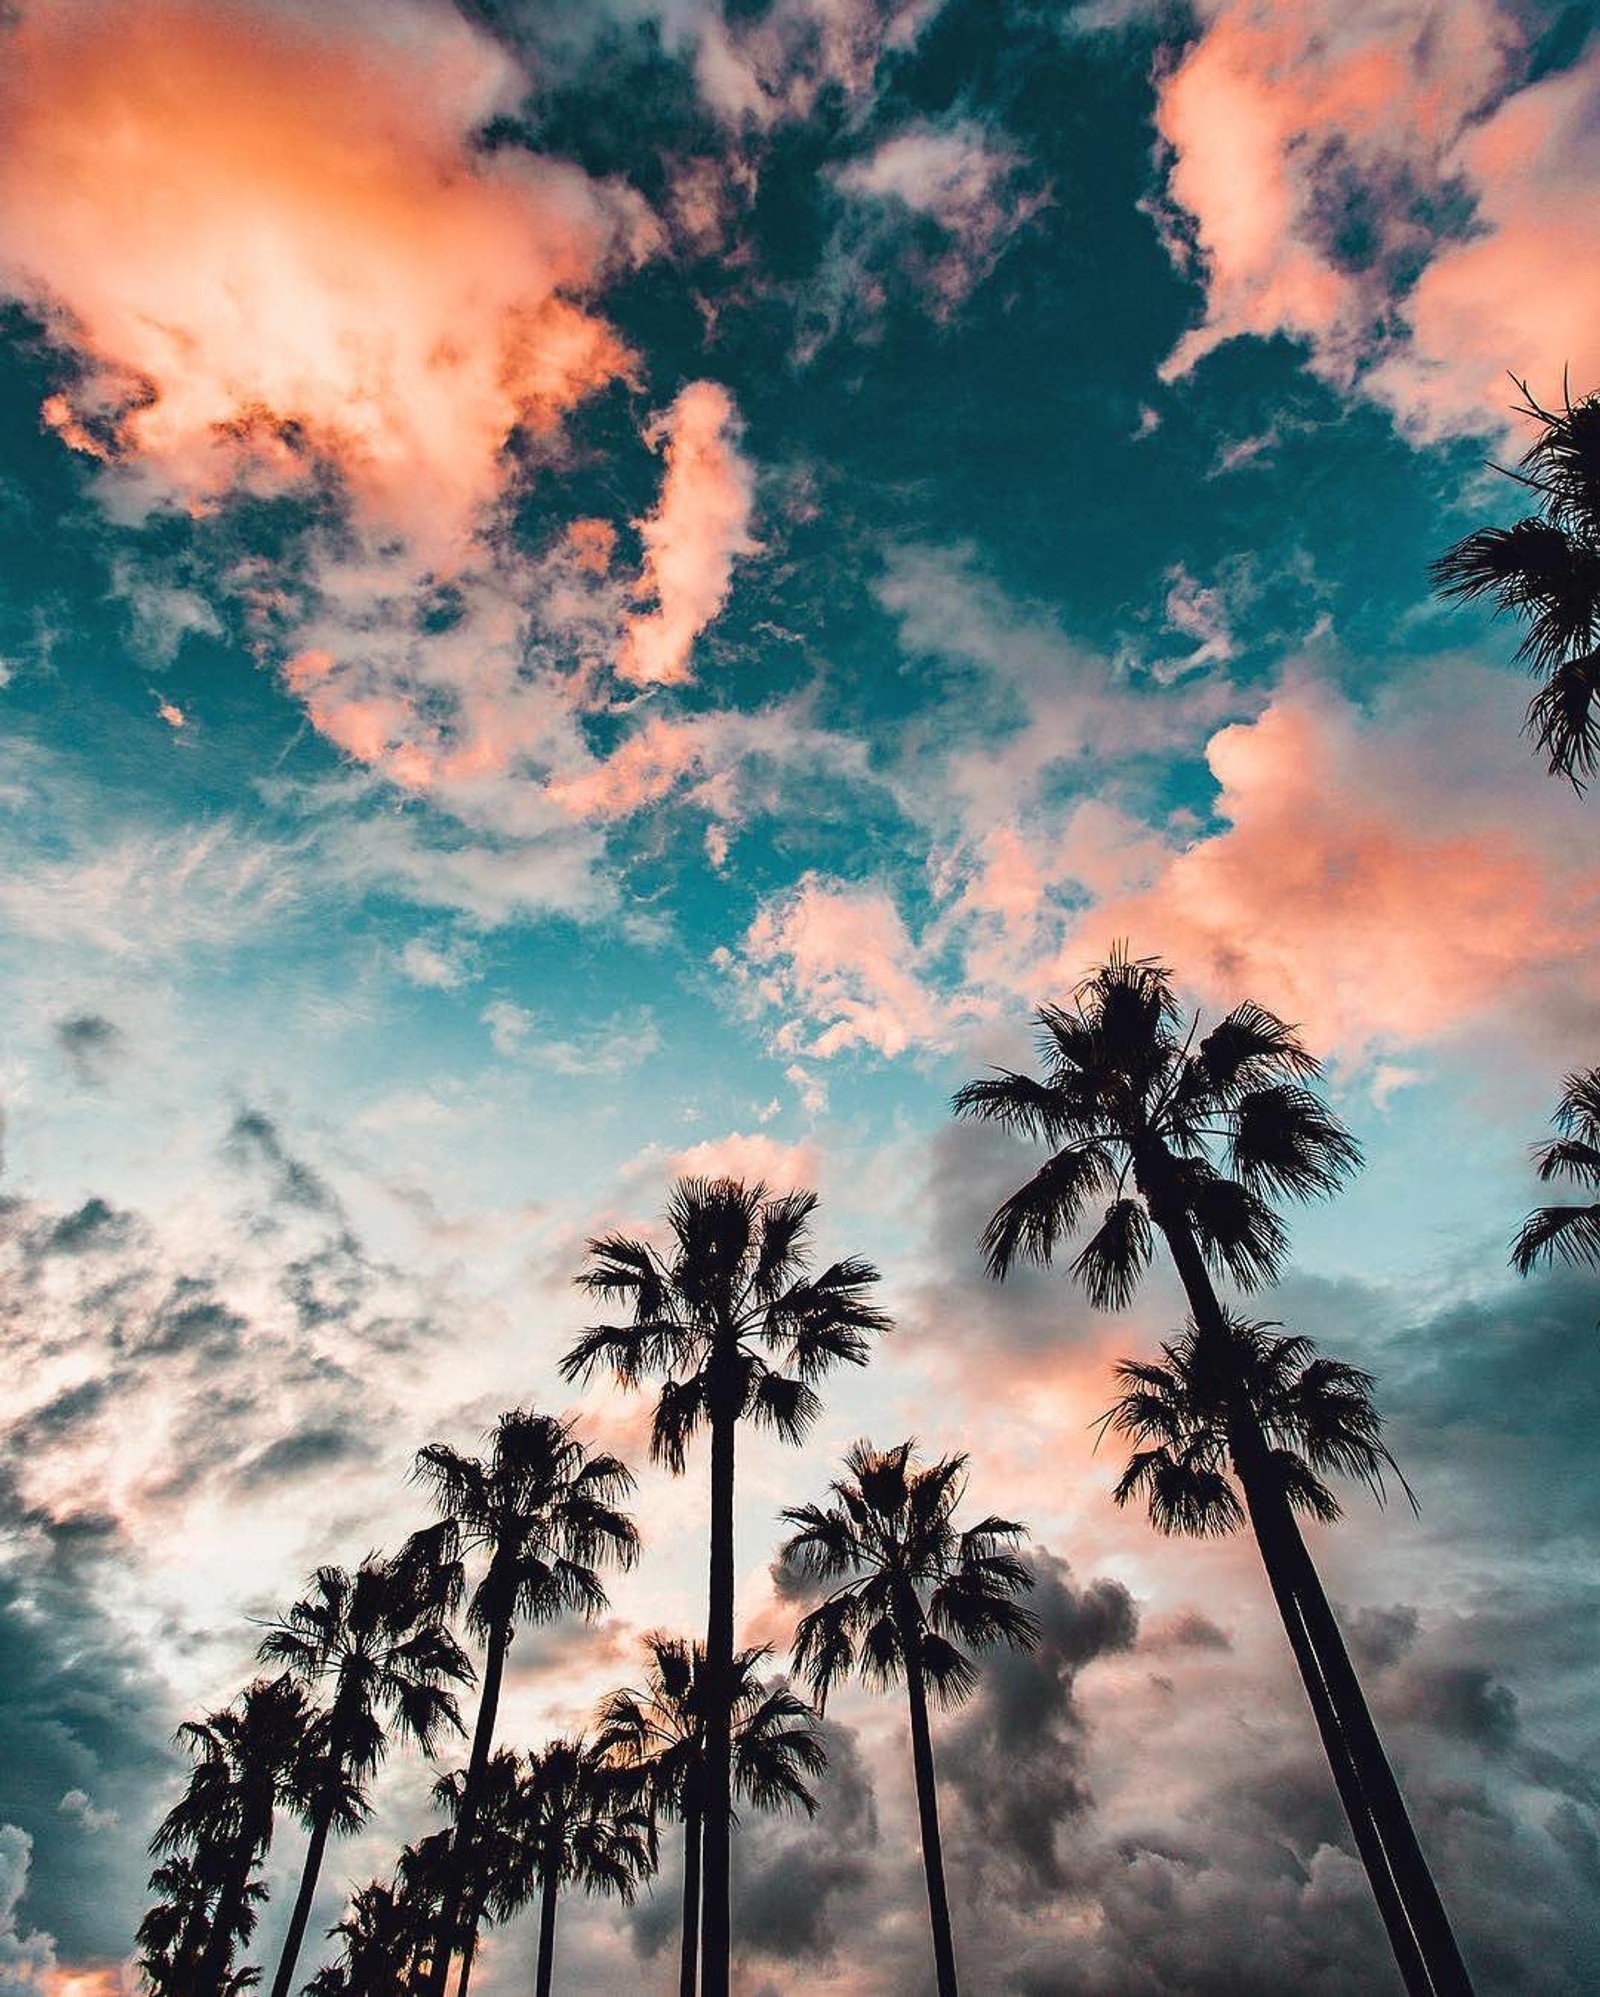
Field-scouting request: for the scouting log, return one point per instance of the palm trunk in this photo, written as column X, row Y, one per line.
column 547, row 1934
column 447, row 1933
column 692, row 1844
column 1419, row 1929
column 715, row 1924
column 944, row 1955
column 294, row 1940
column 218, row 1957
column 469, row 1956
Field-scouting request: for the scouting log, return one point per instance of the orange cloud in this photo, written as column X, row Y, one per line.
column 700, row 526
column 271, row 236
column 1341, row 894
column 1279, row 120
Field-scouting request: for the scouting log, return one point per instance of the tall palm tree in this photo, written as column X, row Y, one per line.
column 739, row 1331
column 580, row 1823
column 248, row 1758
column 1546, row 570
column 909, row 1591
column 173, row 1934
column 660, row 1730
column 1188, row 1136
column 378, row 1933
column 1572, row 1232
column 375, row 1639
column 539, row 1515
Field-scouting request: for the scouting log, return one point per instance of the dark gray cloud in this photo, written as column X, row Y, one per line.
column 795, row 1877
column 92, row 1045
column 254, row 1140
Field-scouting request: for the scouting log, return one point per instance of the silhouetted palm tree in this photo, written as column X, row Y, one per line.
column 379, row 1934
column 910, row 1592
column 495, row 1859
column 660, row 1731
column 732, row 1298
column 173, row 1934
column 248, row 1758
column 540, row 1514
column 1546, row 570
column 579, row 1823
column 375, row 1639
column 1188, row 1137
column 1571, row 1232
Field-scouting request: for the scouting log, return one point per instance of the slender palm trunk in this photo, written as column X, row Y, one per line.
column 294, row 1940
column 690, row 1958
column 1402, row 1883
column 715, row 1925
column 944, row 1955
column 446, row 1935
column 547, row 1933
column 469, row 1955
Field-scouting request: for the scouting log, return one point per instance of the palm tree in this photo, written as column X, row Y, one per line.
column 375, row 1638
column 495, row 1859
column 172, row 1936
column 1188, row 1137
column 1546, row 570
column 911, row 1591
column 378, row 1932
column 1571, row 1232
column 579, row 1823
column 732, row 1298
column 661, row 1732
column 248, row 1758
column 540, row 1515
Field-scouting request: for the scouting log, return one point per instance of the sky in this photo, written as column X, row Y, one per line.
column 597, row 591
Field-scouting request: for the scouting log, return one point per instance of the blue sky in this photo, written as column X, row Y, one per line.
column 593, row 592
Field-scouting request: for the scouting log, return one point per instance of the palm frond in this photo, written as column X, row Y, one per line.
column 1039, row 1214
column 1115, row 1257
column 1569, row 1232
column 1564, row 718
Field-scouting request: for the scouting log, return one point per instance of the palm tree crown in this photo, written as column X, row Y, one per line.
column 659, row 1729
column 1546, row 570
column 1572, row 1232
column 539, row 1513
column 732, row 1297
column 1189, row 1133
column 1315, row 1416
column 906, row 1576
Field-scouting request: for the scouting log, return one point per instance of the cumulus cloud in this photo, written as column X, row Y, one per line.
column 699, row 527
column 1386, row 187
column 397, row 302
column 26, row 1960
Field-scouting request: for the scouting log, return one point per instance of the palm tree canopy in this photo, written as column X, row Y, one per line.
column 376, row 1640
column 1572, row 1232
column 539, row 1511
column 580, row 1823
column 1165, row 1125
column 908, row 1581
column 659, row 1731
column 1546, row 570
column 247, row 1758
column 1183, row 1414
column 731, row 1309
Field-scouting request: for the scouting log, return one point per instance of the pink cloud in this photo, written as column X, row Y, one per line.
column 699, row 528
column 1348, row 892
column 269, row 234
column 1277, row 119
column 755, row 1156
column 838, row 962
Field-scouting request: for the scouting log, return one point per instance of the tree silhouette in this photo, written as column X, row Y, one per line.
column 248, row 1758
column 731, row 1298
column 494, row 1862
column 375, row 1640
column 1546, row 570
column 579, row 1822
column 1188, row 1137
column 1572, row 1232
column 909, row 1592
column 172, row 1936
column 660, row 1730
column 539, row 1514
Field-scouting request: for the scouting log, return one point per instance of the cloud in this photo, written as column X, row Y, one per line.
column 92, row 1045
column 699, row 527
column 25, row 1960
column 1387, row 189
column 1348, row 890
column 397, row 301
